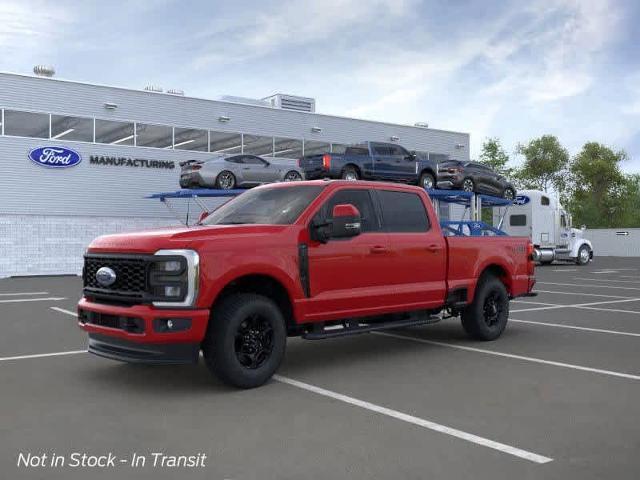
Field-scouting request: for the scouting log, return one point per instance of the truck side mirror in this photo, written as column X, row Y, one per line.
column 346, row 221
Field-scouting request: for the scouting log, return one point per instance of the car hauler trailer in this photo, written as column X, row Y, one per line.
column 469, row 224
column 539, row 216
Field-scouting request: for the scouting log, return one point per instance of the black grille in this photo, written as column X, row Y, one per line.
column 131, row 283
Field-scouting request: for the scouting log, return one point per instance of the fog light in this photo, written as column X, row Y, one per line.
column 172, row 291
column 169, row 325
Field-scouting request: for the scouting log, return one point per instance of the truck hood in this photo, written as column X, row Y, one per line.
column 150, row 241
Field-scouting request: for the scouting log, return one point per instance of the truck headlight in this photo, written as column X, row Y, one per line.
column 174, row 278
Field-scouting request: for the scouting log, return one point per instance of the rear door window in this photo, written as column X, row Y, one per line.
column 402, row 212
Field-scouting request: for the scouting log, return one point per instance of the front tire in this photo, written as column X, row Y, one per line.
column 225, row 180
column 486, row 317
column 468, row 185
column 427, row 181
column 246, row 340
column 508, row 194
column 584, row 255
column 350, row 173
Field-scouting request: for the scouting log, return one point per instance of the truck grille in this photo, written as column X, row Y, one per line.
column 131, row 285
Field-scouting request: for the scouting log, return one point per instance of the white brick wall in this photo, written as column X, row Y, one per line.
column 54, row 245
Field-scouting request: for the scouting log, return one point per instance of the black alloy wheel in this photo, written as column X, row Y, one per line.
column 254, row 341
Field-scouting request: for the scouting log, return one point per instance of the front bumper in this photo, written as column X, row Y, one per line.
column 139, row 333
column 149, row 353
column 449, row 182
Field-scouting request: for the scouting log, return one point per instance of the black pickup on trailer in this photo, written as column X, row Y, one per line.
column 373, row 161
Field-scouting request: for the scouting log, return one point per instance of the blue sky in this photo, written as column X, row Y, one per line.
column 514, row 70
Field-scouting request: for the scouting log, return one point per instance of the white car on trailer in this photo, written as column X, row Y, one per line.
column 539, row 216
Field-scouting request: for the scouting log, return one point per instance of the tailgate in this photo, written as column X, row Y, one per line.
column 311, row 164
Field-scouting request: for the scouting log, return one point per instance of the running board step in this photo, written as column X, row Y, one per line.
column 369, row 327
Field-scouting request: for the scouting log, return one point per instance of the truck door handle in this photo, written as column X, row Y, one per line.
column 378, row 249
column 434, row 247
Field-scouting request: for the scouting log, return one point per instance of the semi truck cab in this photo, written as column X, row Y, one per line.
column 541, row 217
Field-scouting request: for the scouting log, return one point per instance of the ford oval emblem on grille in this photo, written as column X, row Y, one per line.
column 106, row 276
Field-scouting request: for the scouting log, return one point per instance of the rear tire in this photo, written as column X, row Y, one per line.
column 486, row 317
column 225, row 180
column 246, row 340
column 292, row 176
column 350, row 173
column 427, row 181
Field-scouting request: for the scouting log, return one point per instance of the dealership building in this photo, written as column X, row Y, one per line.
column 77, row 160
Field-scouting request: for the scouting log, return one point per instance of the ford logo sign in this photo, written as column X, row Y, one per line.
column 106, row 276
column 55, row 157
column 521, row 200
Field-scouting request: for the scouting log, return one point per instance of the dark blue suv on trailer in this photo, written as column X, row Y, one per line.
column 373, row 161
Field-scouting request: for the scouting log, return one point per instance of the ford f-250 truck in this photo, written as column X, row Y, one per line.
column 315, row 259
column 373, row 161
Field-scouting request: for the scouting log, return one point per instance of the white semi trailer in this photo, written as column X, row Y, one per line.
column 539, row 216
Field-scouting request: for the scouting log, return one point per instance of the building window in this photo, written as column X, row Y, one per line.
column 225, row 142
column 312, row 147
column 114, row 133
column 257, row 145
column 157, row 136
column 544, row 200
column 287, row 148
column 338, row 148
column 190, row 139
column 71, row 128
column 26, row 124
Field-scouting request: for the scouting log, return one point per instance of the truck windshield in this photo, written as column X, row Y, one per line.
column 267, row 206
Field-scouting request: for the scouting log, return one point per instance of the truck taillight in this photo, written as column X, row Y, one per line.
column 531, row 259
column 326, row 161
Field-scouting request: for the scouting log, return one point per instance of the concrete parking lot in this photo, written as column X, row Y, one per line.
column 556, row 397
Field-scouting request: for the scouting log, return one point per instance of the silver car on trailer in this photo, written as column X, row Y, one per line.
column 238, row 171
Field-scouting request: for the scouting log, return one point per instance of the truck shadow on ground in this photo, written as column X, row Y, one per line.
column 302, row 357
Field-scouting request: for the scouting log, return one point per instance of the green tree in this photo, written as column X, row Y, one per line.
column 494, row 156
column 545, row 164
column 601, row 195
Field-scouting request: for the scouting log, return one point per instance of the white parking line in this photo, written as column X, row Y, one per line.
column 608, row 280
column 20, row 300
column 617, row 310
column 532, row 303
column 577, row 305
column 564, row 270
column 581, row 294
column 510, row 355
column 62, row 310
column 41, row 355
column 594, row 286
column 421, row 422
column 22, row 293
column 575, row 327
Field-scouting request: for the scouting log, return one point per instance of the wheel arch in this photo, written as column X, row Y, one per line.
column 261, row 284
column 355, row 167
column 498, row 271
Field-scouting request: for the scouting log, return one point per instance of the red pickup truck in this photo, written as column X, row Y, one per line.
column 316, row 259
